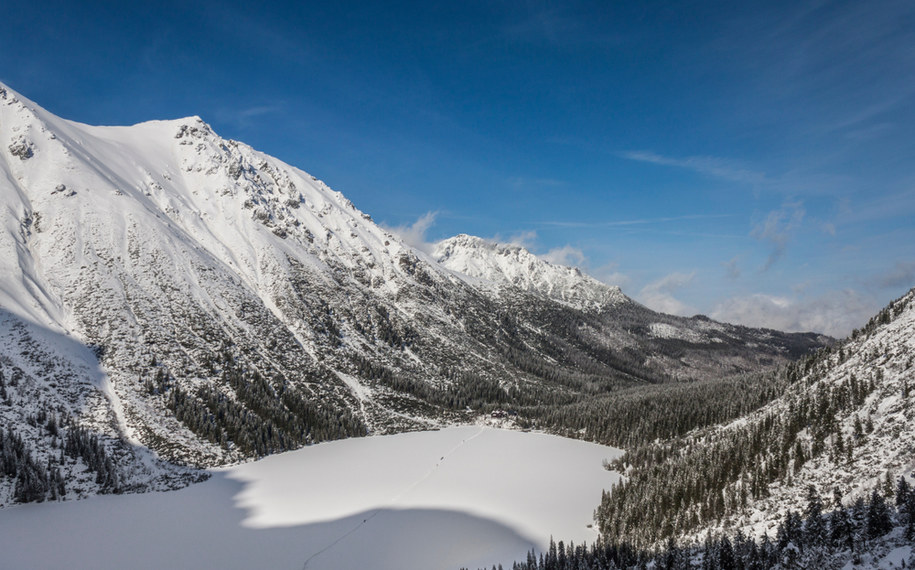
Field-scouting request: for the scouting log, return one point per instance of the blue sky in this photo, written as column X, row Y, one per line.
column 751, row 162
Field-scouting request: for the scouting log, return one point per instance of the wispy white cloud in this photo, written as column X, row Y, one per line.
column 245, row 117
column 877, row 208
column 853, row 71
column 834, row 313
column 565, row 255
column 853, row 123
column 778, row 228
column 732, row 267
column 258, row 110
column 659, row 294
column 632, row 222
column 415, row 234
column 716, row 167
column 559, row 27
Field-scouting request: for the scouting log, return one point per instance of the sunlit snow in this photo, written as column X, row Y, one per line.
column 464, row 496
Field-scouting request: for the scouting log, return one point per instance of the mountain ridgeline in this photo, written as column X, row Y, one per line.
column 170, row 300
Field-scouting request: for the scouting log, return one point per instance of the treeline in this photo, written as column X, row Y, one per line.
column 261, row 417
column 80, row 442
column 633, row 417
column 36, row 481
column 32, row 481
column 681, row 484
column 809, row 539
column 608, row 411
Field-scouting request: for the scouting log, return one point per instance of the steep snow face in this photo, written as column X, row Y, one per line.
column 495, row 265
column 211, row 200
column 162, row 243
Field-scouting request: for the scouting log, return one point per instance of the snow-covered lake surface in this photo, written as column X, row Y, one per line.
column 464, row 496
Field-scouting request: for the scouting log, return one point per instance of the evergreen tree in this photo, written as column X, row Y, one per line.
column 878, row 516
column 814, row 523
column 790, row 530
column 841, row 533
column 726, row 557
column 902, row 492
column 910, row 516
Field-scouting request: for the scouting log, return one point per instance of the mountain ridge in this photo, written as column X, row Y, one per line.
column 233, row 306
column 499, row 265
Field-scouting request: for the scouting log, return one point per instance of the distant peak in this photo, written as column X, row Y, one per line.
column 515, row 266
column 469, row 241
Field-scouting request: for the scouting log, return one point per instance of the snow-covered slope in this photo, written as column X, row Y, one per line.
column 843, row 427
column 497, row 266
column 458, row 497
column 182, row 258
column 857, row 444
column 225, row 305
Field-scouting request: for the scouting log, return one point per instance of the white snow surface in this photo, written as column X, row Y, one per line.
column 494, row 266
column 174, row 181
column 664, row 330
column 464, row 496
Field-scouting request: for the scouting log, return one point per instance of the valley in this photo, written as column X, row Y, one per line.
column 231, row 365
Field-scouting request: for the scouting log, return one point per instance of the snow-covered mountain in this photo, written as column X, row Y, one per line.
column 843, row 427
column 858, row 434
column 502, row 266
column 165, row 289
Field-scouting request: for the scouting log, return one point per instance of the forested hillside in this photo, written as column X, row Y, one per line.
column 842, row 426
column 874, row 532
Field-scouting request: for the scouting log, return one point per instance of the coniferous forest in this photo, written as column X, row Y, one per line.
column 817, row 536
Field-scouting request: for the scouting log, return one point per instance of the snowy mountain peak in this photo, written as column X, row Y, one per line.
column 220, row 304
column 498, row 265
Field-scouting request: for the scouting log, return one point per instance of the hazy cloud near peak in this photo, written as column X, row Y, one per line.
column 659, row 295
column 244, row 118
column 525, row 239
column 415, row 234
column 610, row 275
column 731, row 267
column 834, row 313
column 901, row 275
column 565, row 255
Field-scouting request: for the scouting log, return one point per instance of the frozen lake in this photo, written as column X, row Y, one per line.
column 464, row 496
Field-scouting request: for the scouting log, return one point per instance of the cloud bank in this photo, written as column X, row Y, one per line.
column 659, row 294
column 835, row 313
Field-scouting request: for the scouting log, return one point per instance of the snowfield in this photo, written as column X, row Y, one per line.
column 464, row 496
